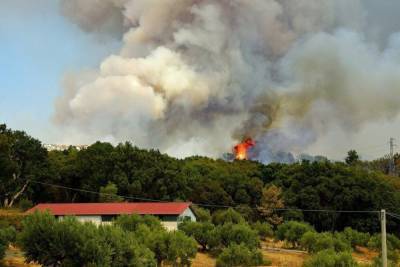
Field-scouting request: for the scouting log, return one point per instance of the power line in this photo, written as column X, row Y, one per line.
column 200, row 204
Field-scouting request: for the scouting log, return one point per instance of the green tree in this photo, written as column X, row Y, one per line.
column 227, row 234
column 314, row 242
column 174, row 248
column 132, row 222
column 202, row 215
column 108, row 193
column 240, row 255
column 330, row 258
column 227, row 216
column 292, row 231
column 201, row 231
column 271, row 200
column 352, row 157
column 22, row 159
column 71, row 243
column 264, row 230
column 7, row 236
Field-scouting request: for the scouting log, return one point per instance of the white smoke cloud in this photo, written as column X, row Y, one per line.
column 196, row 76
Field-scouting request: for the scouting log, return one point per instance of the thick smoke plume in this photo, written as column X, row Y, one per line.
column 196, row 76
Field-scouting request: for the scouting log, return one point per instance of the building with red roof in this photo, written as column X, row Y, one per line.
column 170, row 213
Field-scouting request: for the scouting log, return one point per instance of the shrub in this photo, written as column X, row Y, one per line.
column 393, row 242
column 173, row 247
column 239, row 255
column 200, row 231
column 132, row 222
column 314, row 242
column 127, row 250
column 264, row 230
column 227, row 234
column 354, row 237
column 330, row 258
column 202, row 215
column 71, row 243
column 292, row 231
column 25, row 204
column 7, row 236
column 227, row 216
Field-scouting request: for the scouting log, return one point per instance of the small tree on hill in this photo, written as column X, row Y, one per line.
column 201, row 231
column 352, row 157
column 109, row 192
column 239, row 255
column 270, row 201
column 227, row 216
column 292, row 231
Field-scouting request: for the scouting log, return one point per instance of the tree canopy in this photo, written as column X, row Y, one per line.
column 29, row 172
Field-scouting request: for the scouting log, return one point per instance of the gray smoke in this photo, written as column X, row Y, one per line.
column 197, row 76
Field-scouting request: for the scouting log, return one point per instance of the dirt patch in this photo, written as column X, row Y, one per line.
column 285, row 259
column 203, row 260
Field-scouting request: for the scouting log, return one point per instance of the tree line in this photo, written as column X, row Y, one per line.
column 274, row 191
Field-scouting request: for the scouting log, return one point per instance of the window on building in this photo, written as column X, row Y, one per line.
column 168, row 218
column 107, row 218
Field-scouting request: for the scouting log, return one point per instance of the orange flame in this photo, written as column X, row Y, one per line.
column 241, row 149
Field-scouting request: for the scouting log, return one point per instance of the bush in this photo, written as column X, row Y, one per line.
column 127, row 250
column 201, row 231
column 202, row 215
column 330, row 258
column 71, row 243
column 25, row 204
column 375, row 242
column 292, row 231
column 173, row 247
column 7, row 236
column 354, row 237
column 314, row 242
column 221, row 217
column 239, row 255
column 132, row 222
column 264, row 230
column 227, row 234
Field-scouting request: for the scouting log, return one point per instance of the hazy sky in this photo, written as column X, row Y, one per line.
column 38, row 46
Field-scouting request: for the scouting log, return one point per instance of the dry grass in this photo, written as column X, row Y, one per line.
column 203, row 260
column 10, row 212
column 14, row 258
column 364, row 255
column 285, row 259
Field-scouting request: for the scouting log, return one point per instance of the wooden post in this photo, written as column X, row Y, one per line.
column 383, row 228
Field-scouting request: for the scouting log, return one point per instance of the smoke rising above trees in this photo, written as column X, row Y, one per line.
column 197, row 76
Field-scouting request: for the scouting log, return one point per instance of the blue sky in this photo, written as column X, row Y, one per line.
column 37, row 47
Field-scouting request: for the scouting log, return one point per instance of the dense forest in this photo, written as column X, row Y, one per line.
column 31, row 174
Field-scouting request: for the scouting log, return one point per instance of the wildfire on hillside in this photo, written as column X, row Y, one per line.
column 241, row 149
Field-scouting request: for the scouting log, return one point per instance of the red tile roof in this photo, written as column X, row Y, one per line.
column 152, row 208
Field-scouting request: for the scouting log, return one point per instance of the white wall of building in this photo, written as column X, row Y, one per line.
column 169, row 225
column 96, row 219
column 187, row 213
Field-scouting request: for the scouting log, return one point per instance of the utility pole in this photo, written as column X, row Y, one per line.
column 392, row 167
column 383, row 229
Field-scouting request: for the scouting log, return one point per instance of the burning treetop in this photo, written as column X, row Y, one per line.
column 241, row 149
